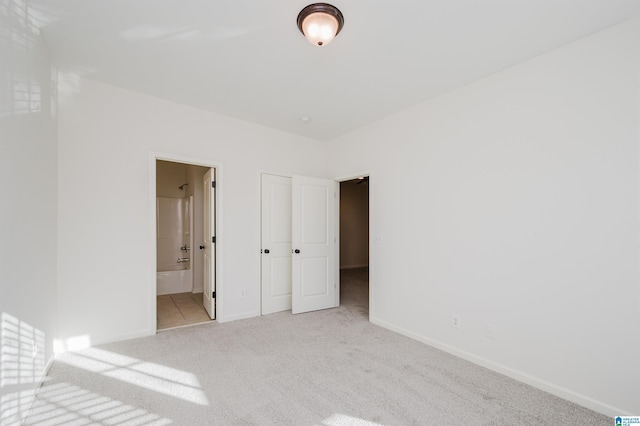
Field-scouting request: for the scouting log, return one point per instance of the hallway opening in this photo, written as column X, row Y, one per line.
column 354, row 243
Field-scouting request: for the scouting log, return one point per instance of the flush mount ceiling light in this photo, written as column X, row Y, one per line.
column 320, row 23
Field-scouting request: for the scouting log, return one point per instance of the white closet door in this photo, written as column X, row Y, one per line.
column 313, row 244
column 276, row 243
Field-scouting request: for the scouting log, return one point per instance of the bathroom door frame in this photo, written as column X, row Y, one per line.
column 152, row 282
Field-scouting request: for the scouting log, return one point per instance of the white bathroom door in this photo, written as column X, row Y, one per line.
column 276, row 243
column 209, row 243
column 314, row 284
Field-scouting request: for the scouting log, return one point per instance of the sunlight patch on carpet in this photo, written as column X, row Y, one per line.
column 344, row 420
column 63, row 403
column 148, row 375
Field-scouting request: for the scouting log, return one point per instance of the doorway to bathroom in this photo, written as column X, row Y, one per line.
column 185, row 231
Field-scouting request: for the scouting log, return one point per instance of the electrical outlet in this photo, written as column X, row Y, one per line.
column 455, row 320
column 491, row 332
column 242, row 293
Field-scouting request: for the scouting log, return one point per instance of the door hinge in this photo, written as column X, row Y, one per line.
column 213, row 240
column 213, row 183
column 213, row 295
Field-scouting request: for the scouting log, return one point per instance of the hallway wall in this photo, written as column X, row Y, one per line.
column 354, row 224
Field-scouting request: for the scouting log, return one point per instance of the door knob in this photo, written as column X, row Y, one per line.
column 201, row 247
column 266, row 251
column 297, row 251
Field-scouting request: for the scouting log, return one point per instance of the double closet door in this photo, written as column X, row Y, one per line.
column 298, row 241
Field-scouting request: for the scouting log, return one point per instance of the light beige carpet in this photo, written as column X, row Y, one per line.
column 325, row 368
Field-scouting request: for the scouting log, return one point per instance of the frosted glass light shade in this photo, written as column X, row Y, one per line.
column 320, row 28
column 320, row 23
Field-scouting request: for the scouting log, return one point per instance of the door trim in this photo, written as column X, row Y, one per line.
column 151, row 281
column 372, row 237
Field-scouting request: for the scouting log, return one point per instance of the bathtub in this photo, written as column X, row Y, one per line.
column 178, row 280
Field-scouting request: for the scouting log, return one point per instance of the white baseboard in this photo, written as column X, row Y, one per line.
column 164, row 290
column 551, row 388
column 241, row 316
column 127, row 336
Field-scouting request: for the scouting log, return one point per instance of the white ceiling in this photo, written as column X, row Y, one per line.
column 247, row 59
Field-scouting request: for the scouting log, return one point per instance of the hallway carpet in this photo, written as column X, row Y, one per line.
column 331, row 368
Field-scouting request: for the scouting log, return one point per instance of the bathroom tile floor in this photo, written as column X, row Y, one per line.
column 177, row 310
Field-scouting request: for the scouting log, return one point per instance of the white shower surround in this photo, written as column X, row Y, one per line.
column 174, row 229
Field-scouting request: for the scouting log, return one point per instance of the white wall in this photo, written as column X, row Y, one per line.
column 354, row 224
column 28, row 239
column 523, row 215
column 105, row 250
